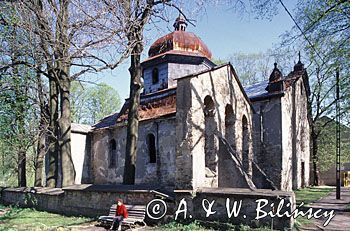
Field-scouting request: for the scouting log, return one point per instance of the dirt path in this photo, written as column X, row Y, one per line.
column 341, row 220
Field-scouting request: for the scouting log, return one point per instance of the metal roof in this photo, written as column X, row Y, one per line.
column 80, row 128
column 257, row 89
column 107, row 121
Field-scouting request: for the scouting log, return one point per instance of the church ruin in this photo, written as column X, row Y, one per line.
column 199, row 127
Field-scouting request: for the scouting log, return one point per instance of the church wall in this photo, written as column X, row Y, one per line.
column 168, row 72
column 268, row 138
column 160, row 173
column 81, row 156
column 296, row 147
column 288, row 139
column 163, row 78
column 163, row 171
column 304, row 136
column 102, row 174
column 222, row 87
column 177, row 70
column 284, row 137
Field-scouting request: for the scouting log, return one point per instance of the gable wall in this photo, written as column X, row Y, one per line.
column 295, row 136
column 221, row 85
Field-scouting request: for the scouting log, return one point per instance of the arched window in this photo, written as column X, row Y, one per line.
column 112, row 154
column 209, row 108
column 230, row 125
column 301, row 89
column 152, row 150
column 155, row 76
column 245, row 145
column 211, row 143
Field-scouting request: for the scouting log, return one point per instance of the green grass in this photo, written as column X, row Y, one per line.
column 196, row 225
column 311, row 194
column 173, row 226
column 30, row 219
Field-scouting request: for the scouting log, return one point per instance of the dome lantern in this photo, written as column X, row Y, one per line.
column 180, row 23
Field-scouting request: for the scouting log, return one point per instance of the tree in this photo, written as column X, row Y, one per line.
column 70, row 38
column 137, row 15
column 16, row 116
column 251, row 68
column 327, row 143
column 67, row 39
column 322, row 30
column 256, row 67
column 44, row 120
column 90, row 104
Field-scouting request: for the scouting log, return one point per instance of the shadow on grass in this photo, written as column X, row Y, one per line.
column 30, row 219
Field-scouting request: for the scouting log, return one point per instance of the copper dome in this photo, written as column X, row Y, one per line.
column 180, row 42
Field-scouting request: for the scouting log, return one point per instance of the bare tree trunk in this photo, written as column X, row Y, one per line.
column 68, row 172
column 41, row 146
column 52, row 176
column 22, row 180
column 134, row 102
column 63, row 66
column 39, row 162
column 315, row 162
column 19, row 117
column 21, row 153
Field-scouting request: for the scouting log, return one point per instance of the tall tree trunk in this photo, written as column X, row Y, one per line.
column 68, row 172
column 63, row 67
column 41, row 146
column 39, row 162
column 21, row 152
column 22, row 180
column 20, row 111
column 134, row 102
column 315, row 163
column 52, row 176
column 19, row 108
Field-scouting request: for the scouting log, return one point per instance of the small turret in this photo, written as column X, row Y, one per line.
column 276, row 74
column 276, row 82
column 299, row 66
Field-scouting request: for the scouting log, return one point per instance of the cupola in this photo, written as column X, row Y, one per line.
column 174, row 55
column 180, row 42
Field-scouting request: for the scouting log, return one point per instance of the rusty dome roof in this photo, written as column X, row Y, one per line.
column 180, row 42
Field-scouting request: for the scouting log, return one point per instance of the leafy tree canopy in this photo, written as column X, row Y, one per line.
column 92, row 103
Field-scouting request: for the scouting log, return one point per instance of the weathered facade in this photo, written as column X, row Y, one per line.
column 200, row 128
column 211, row 107
column 281, row 128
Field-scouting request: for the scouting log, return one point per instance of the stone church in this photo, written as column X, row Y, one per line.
column 199, row 127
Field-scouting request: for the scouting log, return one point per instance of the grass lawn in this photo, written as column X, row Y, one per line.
column 29, row 219
column 174, row 226
column 311, row 194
